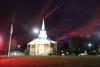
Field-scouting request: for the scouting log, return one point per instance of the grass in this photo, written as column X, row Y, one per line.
column 50, row 61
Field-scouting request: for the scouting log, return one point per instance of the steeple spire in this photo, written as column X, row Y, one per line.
column 43, row 25
column 43, row 31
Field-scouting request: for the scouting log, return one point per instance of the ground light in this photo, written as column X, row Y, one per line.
column 89, row 45
column 18, row 46
column 1, row 40
column 63, row 54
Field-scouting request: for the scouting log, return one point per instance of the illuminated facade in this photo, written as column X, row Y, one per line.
column 41, row 45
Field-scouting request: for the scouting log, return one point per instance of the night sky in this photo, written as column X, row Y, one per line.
column 62, row 18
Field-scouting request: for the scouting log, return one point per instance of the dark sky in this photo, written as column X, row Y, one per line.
column 62, row 17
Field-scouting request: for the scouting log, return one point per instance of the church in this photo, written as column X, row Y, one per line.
column 42, row 45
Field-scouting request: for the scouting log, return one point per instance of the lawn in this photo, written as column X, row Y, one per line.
column 50, row 61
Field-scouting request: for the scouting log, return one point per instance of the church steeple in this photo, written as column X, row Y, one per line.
column 43, row 31
column 43, row 25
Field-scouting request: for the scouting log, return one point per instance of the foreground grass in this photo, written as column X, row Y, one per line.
column 50, row 61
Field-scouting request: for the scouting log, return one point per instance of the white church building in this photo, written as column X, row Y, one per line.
column 41, row 46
